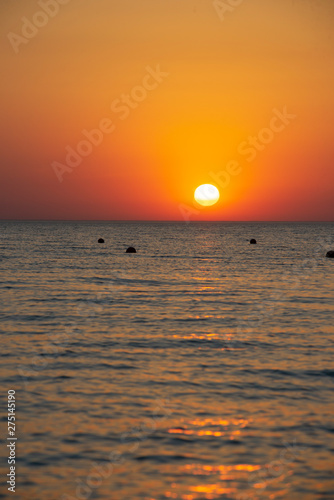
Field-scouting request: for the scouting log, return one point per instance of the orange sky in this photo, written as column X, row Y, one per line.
column 180, row 88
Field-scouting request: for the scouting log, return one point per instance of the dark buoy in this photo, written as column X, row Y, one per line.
column 253, row 242
column 131, row 250
column 330, row 254
column 101, row 240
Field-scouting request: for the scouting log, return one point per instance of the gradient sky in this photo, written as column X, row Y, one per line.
column 227, row 72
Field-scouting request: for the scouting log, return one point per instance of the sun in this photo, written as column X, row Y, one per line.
column 206, row 195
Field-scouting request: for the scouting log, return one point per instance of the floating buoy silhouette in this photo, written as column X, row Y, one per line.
column 253, row 242
column 101, row 240
column 131, row 250
column 330, row 254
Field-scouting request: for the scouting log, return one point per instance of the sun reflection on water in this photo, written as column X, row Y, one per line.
column 239, row 481
column 230, row 428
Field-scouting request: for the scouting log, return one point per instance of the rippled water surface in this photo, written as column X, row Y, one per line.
column 199, row 368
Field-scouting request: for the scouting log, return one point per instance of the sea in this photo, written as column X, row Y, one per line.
column 199, row 368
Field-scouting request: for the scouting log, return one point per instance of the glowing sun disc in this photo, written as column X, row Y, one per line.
column 206, row 195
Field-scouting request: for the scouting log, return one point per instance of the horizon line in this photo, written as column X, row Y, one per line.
column 167, row 220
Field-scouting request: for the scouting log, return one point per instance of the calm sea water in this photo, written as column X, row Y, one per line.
column 199, row 368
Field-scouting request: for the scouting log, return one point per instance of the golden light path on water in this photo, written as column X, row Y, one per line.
column 226, row 478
